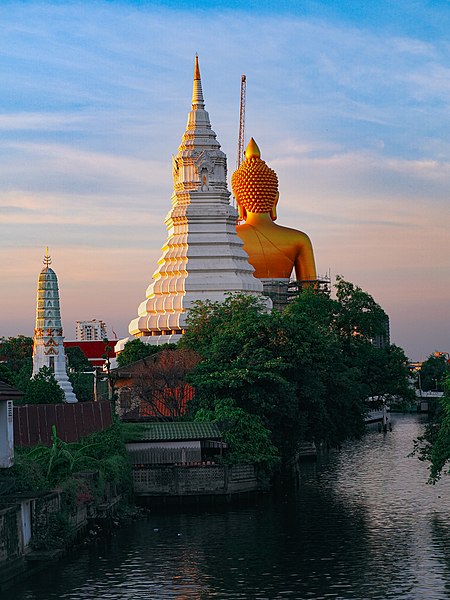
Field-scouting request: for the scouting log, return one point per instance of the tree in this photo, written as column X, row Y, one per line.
column 77, row 360
column 79, row 376
column 6, row 374
column 135, row 350
column 433, row 371
column 241, row 345
column 16, row 351
column 160, row 384
column 358, row 316
column 248, row 439
column 17, row 363
column 434, row 445
column 43, row 389
column 305, row 372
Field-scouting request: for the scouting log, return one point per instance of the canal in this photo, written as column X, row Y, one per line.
column 364, row 525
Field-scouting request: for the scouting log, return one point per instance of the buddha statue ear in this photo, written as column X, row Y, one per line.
column 241, row 212
column 273, row 212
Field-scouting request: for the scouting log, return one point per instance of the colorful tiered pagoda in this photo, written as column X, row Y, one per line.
column 48, row 349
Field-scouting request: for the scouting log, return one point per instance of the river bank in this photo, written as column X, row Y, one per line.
column 362, row 525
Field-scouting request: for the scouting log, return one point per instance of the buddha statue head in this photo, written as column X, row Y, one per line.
column 255, row 185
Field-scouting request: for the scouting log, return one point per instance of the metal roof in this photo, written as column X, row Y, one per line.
column 7, row 392
column 179, row 430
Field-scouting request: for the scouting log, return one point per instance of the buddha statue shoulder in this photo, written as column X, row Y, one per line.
column 273, row 251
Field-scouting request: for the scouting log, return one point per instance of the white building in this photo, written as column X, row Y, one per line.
column 88, row 331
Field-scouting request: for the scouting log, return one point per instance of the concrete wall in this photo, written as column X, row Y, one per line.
column 192, row 480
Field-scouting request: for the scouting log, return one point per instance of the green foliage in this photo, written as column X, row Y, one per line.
column 61, row 466
column 135, row 350
column 16, row 356
column 43, row 389
column 22, row 377
column 105, row 443
column 62, row 459
column 28, row 474
column 58, row 534
column 77, row 360
column 132, row 432
column 6, row 374
column 302, row 374
column 81, row 472
column 434, row 445
column 16, row 351
column 83, row 386
column 358, row 316
column 433, row 372
column 246, row 435
column 82, row 382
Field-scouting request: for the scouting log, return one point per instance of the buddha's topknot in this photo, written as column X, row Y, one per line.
column 255, row 185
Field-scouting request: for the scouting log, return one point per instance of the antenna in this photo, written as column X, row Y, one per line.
column 241, row 141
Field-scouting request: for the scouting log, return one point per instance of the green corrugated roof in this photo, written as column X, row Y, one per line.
column 181, row 430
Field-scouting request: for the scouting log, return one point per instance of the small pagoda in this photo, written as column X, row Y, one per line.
column 48, row 348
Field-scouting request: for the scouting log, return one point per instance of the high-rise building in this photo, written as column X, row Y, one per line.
column 89, row 331
column 203, row 258
column 48, row 349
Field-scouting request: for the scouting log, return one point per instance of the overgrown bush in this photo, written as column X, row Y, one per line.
column 59, row 533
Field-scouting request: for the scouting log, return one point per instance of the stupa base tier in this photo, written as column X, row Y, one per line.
column 158, row 340
column 151, row 338
column 158, row 333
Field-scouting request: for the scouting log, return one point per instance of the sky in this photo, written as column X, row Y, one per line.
column 349, row 102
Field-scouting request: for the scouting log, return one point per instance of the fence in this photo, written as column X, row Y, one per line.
column 164, row 456
column 33, row 422
column 189, row 480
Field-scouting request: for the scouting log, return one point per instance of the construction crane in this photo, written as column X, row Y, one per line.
column 241, row 141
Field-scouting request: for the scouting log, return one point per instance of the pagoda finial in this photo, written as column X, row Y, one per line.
column 197, row 92
column 196, row 68
column 252, row 150
column 47, row 259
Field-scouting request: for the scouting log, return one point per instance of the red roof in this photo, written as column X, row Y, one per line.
column 93, row 350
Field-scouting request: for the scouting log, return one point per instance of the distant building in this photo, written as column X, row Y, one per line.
column 88, row 331
column 383, row 340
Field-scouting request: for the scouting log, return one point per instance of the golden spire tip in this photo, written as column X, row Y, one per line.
column 47, row 260
column 252, row 150
column 196, row 69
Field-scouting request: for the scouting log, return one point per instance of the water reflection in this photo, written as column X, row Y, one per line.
column 363, row 525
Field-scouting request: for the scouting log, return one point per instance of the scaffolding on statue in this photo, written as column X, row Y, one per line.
column 283, row 292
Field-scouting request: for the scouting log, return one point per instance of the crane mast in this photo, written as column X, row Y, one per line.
column 241, row 140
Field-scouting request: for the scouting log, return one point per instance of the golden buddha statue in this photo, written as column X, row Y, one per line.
column 272, row 250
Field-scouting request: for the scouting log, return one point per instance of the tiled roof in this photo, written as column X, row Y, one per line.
column 171, row 431
column 8, row 392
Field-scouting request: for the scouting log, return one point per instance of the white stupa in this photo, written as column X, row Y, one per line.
column 203, row 258
column 48, row 348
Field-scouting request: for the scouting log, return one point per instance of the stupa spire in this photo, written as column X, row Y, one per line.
column 47, row 258
column 197, row 92
column 48, row 348
column 203, row 257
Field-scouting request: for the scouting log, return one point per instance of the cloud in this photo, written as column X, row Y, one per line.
column 352, row 115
